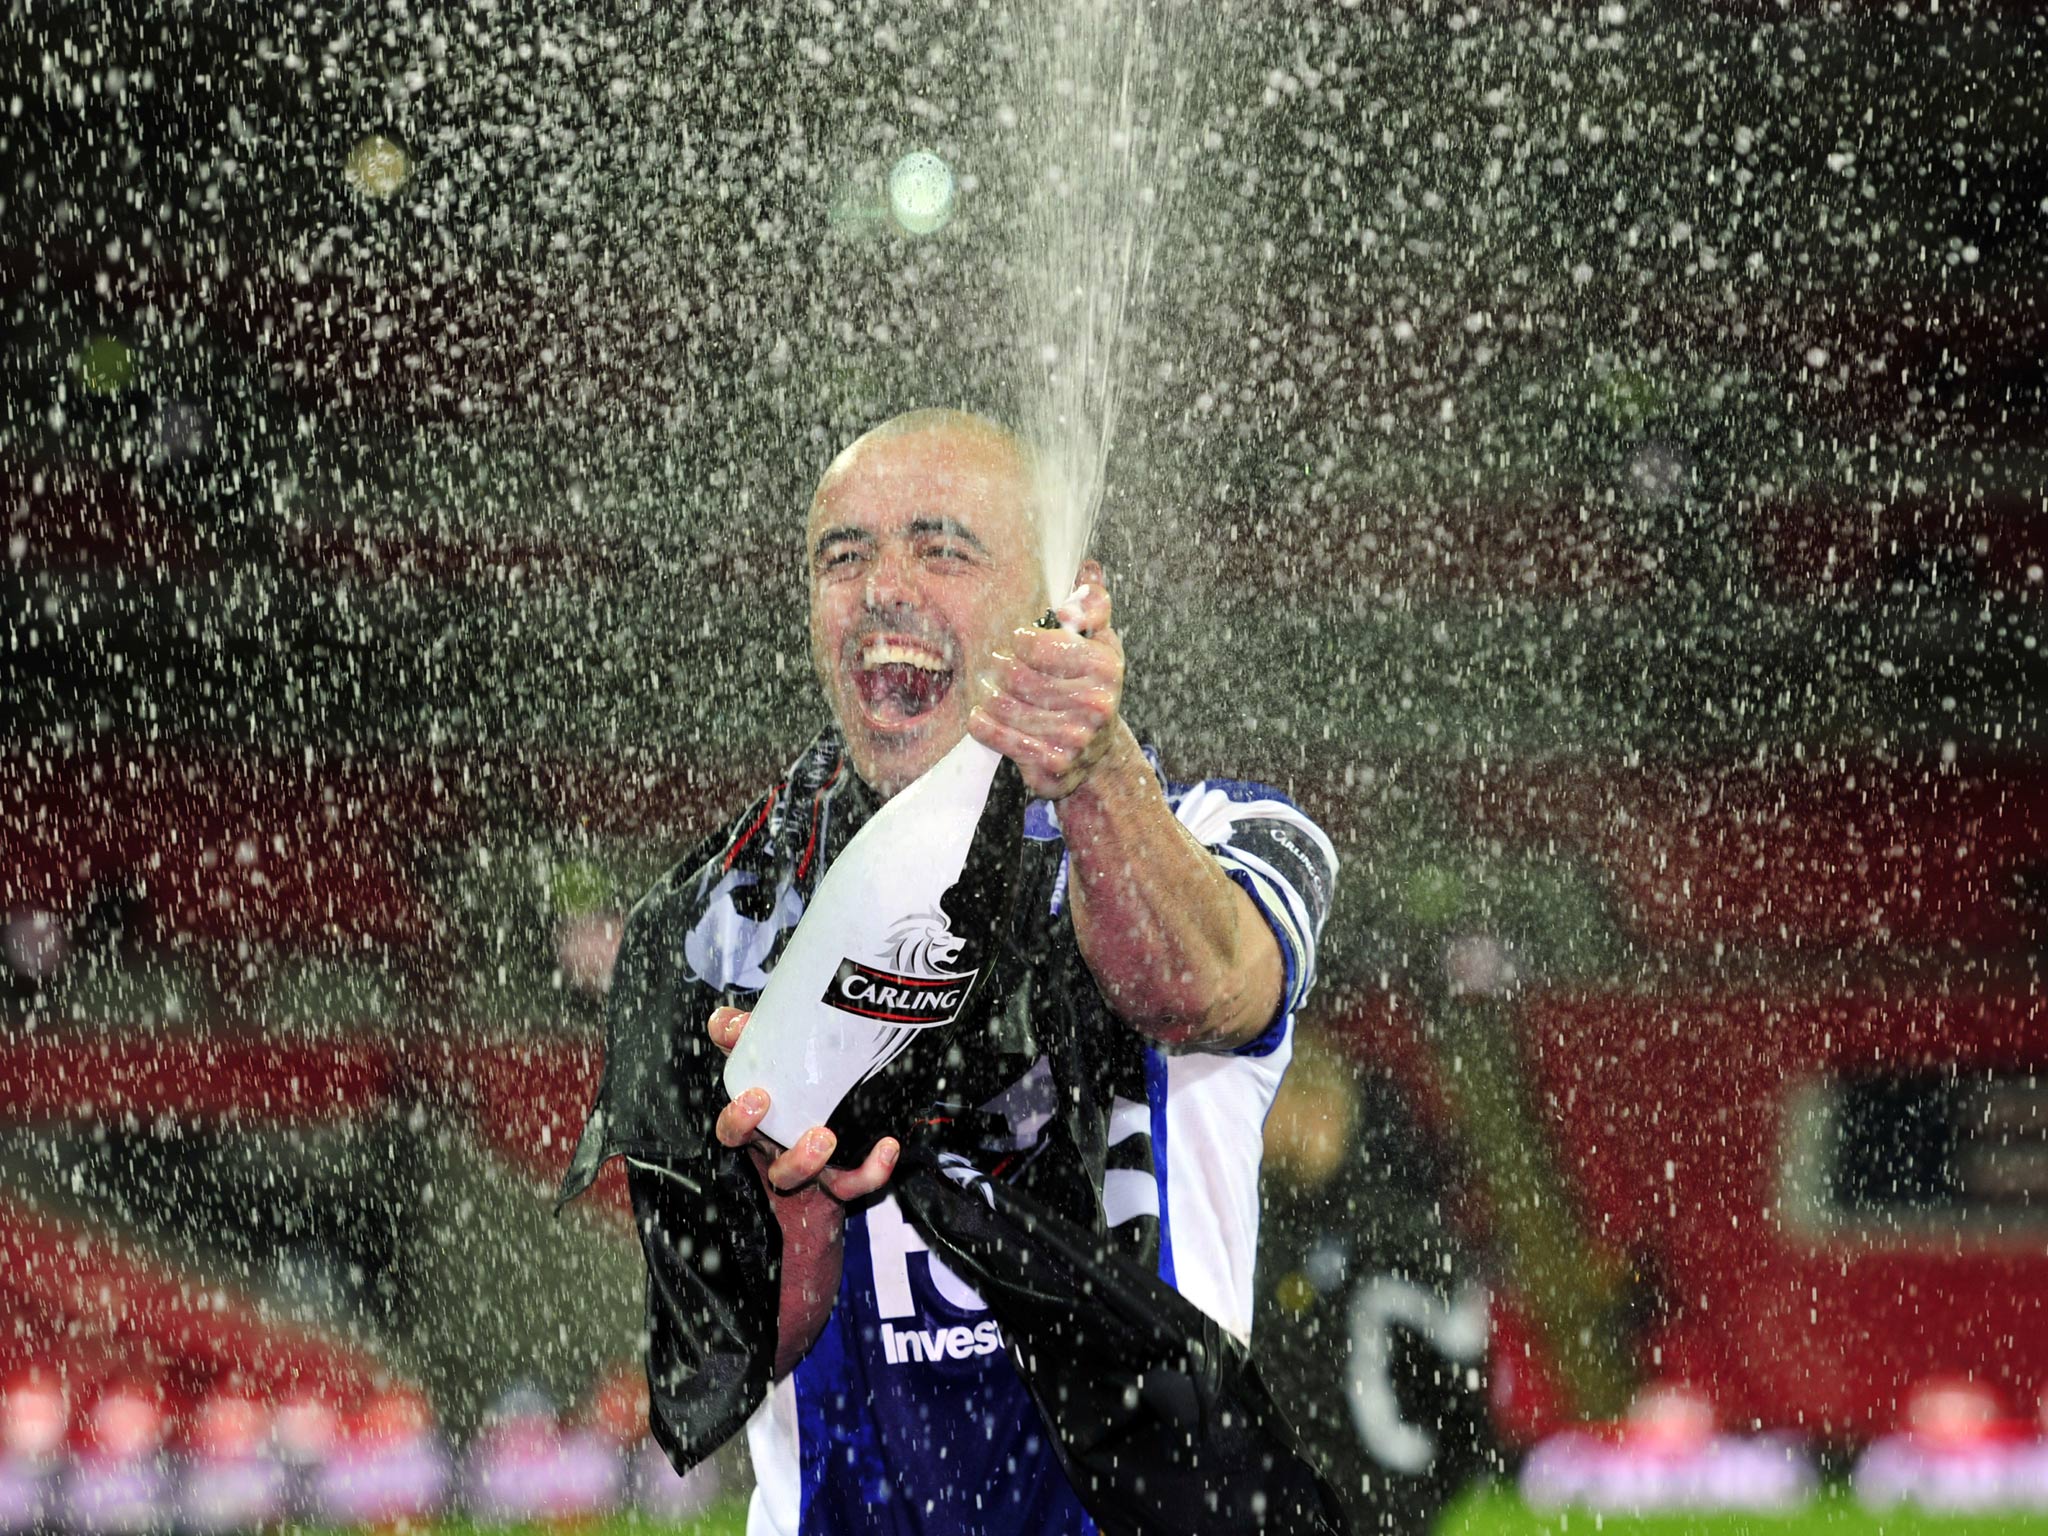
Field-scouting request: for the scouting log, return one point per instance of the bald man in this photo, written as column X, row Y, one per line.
column 1162, row 939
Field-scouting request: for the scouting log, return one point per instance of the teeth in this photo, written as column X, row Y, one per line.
column 885, row 653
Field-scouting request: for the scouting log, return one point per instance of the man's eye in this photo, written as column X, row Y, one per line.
column 946, row 552
column 838, row 558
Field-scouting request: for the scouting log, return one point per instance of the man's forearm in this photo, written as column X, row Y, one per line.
column 813, row 1250
column 1179, row 951
column 807, row 1197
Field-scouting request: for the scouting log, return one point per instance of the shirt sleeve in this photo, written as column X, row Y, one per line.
column 1279, row 858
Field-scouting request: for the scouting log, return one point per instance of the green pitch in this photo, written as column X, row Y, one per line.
column 1499, row 1512
column 1484, row 1511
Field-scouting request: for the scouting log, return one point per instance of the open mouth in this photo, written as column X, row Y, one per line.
column 900, row 682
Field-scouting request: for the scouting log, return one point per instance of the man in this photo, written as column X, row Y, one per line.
column 1159, row 945
column 1371, row 1317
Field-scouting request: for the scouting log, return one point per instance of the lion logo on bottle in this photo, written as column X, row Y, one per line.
column 919, row 985
column 925, row 945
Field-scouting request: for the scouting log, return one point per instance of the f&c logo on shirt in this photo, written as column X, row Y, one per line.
column 923, row 1338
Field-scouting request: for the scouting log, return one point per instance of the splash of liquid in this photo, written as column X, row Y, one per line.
column 1100, row 110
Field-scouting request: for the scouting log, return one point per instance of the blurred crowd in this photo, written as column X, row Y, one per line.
column 124, row 1456
column 1960, row 1451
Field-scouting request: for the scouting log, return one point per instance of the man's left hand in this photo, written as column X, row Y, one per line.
column 1049, row 697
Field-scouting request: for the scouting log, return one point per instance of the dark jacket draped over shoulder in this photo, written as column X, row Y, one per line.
column 1158, row 1415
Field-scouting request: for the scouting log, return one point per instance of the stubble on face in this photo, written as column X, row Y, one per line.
column 923, row 555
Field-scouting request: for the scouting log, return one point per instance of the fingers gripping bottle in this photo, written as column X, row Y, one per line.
column 891, row 961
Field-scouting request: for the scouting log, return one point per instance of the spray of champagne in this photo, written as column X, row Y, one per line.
column 1100, row 110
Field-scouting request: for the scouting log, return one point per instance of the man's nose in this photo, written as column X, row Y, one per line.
column 891, row 579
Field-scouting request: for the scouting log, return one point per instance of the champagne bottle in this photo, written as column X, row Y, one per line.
column 891, row 962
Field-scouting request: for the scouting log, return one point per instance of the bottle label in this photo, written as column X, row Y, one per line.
column 915, row 987
column 874, row 993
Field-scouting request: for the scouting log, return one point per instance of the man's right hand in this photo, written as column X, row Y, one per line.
column 792, row 1169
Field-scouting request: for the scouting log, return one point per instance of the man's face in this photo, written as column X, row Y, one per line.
column 923, row 556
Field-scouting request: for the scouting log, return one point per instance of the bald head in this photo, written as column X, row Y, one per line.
column 965, row 433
